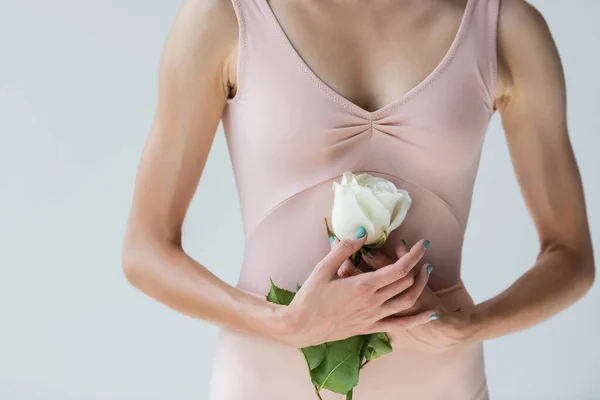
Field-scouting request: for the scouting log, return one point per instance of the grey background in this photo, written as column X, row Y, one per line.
column 78, row 85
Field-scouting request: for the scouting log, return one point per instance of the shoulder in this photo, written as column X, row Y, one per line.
column 520, row 23
column 211, row 21
column 201, row 40
column 525, row 44
column 203, row 30
column 520, row 10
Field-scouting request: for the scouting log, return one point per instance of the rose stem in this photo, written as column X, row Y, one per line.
column 318, row 394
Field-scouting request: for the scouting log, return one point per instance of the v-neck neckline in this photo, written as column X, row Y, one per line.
column 353, row 107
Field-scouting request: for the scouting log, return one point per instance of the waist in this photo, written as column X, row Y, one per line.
column 455, row 296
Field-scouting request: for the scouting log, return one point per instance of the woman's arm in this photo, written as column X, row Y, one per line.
column 193, row 88
column 532, row 103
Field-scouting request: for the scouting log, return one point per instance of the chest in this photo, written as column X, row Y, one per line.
column 370, row 53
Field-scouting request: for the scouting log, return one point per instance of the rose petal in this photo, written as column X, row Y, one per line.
column 389, row 201
column 377, row 184
column 347, row 214
column 376, row 211
column 401, row 209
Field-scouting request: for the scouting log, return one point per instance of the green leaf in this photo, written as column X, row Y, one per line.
column 329, row 232
column 314, row 355
column 335, row 365
column 364, row 347
column 280, row 296
column 378, row 344
column 338, row 371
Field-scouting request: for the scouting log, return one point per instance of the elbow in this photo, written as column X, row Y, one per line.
column 588, row 274
column 133, row 263
column 584, row 272
column 130, row 266
column 587, row 268
column 578, row 267
column 142, row 258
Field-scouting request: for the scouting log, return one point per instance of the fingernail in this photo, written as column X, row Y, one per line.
column 404, row 242
column 429, row 269
column 360, row 233
column 370, row 254
column 331, row 239
column 426, row 244
column 434, row 317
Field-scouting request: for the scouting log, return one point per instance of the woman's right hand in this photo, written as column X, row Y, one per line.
column 327, row 308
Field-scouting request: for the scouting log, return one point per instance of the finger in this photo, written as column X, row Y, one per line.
column 408, row 298
column 401, row 268
column 402, row 248
column 340, row 252
column 411, row 289
column 394, row 289
column 347, row 269
column 390, row 324
column 376, row 259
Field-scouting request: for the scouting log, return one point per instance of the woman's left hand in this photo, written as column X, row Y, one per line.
column 441, row 334
column 447, row 329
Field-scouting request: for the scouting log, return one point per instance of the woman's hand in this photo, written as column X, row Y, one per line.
column 327, row 308
column 444, row 332
column 447, row 328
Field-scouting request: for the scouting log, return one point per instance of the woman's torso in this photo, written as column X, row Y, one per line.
column 328, row 88
column 290, row 133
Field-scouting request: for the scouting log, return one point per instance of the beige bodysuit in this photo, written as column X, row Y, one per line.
column 290, row 135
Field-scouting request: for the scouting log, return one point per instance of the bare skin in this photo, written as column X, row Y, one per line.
column 197, row 75
column 531, row 99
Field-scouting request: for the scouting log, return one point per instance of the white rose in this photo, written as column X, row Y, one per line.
column 368, row 201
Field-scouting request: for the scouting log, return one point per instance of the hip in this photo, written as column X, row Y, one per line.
column 251, row 367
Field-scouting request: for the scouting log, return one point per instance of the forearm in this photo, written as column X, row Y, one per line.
column 559, row 278
column 167, row 274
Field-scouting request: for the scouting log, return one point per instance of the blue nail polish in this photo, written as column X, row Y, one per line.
column 426, row 244
column 331, row 239
column 360, row 233
column 429, row 269
column 434, row 317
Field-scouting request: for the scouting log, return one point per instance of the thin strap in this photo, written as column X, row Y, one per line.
column 492, row 21
column 483, row 42
column 241, row 54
